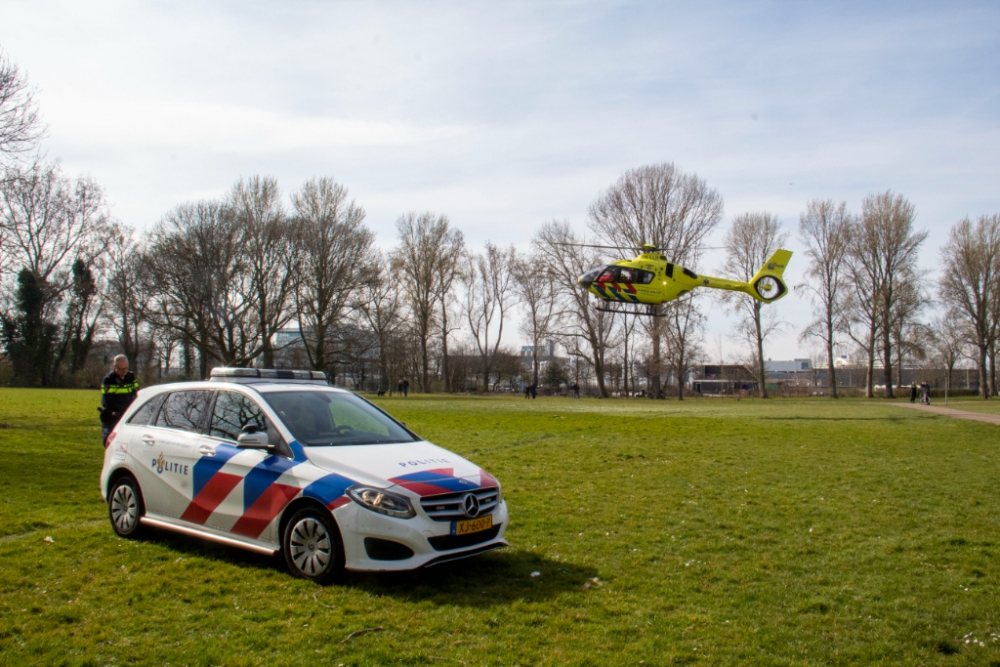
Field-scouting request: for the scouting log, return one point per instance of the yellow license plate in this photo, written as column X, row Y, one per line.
column 472, row 525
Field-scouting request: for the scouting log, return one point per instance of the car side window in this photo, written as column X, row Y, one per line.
column 233, row 412
column 185, row 411
column 147, row 413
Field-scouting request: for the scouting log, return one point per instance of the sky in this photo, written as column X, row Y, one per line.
column 505, row 115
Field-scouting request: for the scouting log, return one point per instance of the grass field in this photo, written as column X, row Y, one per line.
column 707, row 532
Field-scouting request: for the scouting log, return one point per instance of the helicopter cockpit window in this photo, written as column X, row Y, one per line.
column 591, row 276
column 610, row 275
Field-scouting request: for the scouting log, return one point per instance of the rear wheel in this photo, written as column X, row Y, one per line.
column 125, row 507
column 312, row 546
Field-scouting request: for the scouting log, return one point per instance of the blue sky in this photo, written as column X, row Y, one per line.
column 505, row 115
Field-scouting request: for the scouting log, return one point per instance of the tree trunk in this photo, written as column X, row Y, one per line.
column 680, row 374
column 761, row 372
column 654, row 361
column 870, row 375
column 424, row 379
column 983, row 388
column 831, row 370
column 444, row 347
column 993, row 372
column 887, row 360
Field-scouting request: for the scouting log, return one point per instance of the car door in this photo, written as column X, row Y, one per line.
column 168, row 444
column 141, row 442
column 236, row 490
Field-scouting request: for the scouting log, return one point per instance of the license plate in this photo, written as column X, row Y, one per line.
column 472, row 525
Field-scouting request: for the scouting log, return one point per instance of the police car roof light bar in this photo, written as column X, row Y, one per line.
column 227, row 374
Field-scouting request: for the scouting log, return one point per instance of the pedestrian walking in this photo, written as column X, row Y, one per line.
column 925, row 397
column 118, row 390
column 406, row 387
column 527, row 391
column 576, row 390
column 534, row 391
column 913, row 392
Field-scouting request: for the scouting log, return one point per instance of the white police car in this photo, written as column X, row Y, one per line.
column 277, row 460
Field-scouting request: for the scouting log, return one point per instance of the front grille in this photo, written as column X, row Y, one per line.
column 448, row 506
column 448, row 542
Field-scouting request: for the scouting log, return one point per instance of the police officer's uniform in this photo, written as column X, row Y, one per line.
column 117, row 393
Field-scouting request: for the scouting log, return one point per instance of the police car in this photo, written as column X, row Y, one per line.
column 271, row 461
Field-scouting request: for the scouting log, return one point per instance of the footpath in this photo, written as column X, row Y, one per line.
column 951, row 412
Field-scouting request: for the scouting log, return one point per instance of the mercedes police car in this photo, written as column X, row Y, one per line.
column 279, row 461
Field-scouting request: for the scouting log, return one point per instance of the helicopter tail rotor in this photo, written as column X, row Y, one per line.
column 767, row 284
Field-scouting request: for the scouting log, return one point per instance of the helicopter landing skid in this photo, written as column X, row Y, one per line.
column 621, row 308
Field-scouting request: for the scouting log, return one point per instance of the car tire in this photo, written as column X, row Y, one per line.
column 312, row 546
column 125, row 507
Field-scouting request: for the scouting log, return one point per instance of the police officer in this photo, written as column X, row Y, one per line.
column 117, row 393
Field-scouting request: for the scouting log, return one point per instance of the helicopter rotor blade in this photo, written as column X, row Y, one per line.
column 637, row 248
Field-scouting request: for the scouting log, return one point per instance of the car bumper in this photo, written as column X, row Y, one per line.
column 375, row 542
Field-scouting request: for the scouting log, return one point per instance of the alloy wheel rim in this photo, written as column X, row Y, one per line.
column 124, row 508
column 310, row 546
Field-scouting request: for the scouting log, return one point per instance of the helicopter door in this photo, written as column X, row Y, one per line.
column 630, row 276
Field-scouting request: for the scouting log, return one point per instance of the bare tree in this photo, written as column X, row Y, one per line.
column 380, row 306
column 534, row 283
column 884, row 251
column 662, row 205
column 20, row 123
column 422, row 240
column 862, row 321
column 911, row 338
column 824, row 228
column 749, row 243
column 333, row 250
column 447, row 268
column 50, row 221
column 127, row 291
column 683, row 328
column 53, row 228
column 195, row 266
column 585, row 332
column 489, row 295
column 949, row 342
column 266, row 252
column 970, row 283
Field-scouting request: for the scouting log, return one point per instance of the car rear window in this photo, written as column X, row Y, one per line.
column 185, row 411
column 147, row 413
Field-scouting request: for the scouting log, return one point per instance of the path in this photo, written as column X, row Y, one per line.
column 951, row 412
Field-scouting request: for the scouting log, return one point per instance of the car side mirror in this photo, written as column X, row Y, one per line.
column 255, row 440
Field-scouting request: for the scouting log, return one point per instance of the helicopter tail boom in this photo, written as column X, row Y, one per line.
column 767, row 285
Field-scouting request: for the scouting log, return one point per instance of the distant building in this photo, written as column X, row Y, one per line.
column 545, row 350
column 793, row 366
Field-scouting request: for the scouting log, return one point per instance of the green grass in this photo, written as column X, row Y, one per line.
column 719, row 532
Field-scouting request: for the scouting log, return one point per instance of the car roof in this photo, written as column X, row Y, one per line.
column 259, row 386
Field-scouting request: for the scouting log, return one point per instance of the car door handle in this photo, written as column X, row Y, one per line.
column 206, row 450
column 148, row 440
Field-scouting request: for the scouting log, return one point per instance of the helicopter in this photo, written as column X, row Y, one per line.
column 636, row 286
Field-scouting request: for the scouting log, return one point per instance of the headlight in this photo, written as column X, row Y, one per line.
column 381, row 501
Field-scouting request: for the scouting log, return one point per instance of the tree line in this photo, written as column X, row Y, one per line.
column 223, row 281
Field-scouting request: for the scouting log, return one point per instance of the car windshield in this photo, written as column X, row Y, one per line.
column 326, row 418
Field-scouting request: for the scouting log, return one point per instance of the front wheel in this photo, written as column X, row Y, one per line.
column 125, row 506
column 312, row 546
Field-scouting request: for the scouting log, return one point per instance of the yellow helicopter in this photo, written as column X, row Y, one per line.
column 650, row 280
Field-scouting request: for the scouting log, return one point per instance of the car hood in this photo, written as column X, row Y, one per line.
column 420, row 467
